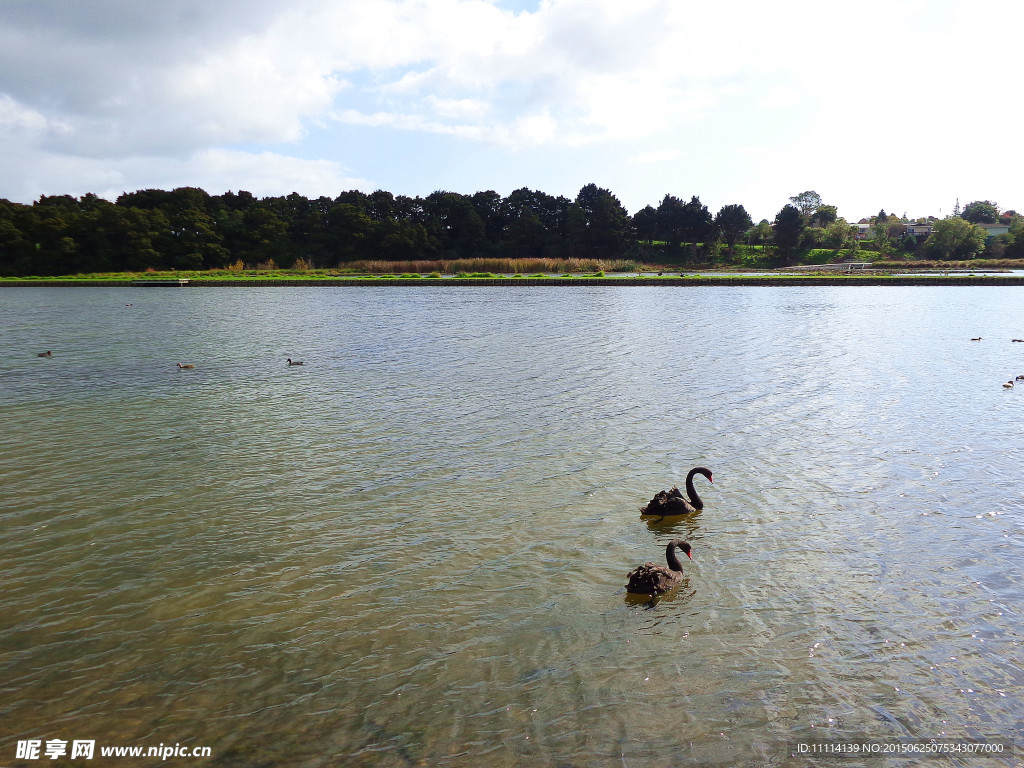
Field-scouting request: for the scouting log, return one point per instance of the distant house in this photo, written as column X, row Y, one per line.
column 867, row 232
column 992, row 230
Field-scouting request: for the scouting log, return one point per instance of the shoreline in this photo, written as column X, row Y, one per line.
column 716, row 280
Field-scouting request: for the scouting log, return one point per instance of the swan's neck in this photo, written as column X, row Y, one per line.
column 670, row 556
column 691, row 492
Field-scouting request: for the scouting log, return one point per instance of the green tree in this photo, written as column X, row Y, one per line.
column 761, row 233
column 453, row 220
column 697, row 225
column 536, row 224
column 670, row 219
column 1015, row 248
column 351, row 232
column 880, row 232
column 981, row 212
column 838, row 234
column 806, row 203
column 380, row 206
column 954, row 238
column 598, row 224
column 824, row 215
column 812, row 237
column 490, row 208
column 789, row 225
column 732, row 221
column 645, row 224
column 17, row 252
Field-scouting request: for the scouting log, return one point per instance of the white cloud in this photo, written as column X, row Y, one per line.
column 461, row 109
column 658, row 156
column 787, row 92
column 18, row 119
column 31, row 173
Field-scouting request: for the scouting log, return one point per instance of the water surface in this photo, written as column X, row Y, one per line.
column 411, row 550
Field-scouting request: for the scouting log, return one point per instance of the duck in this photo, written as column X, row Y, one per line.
column 47, row 353
column 183, row 367
column 976, row 339
column 651, row 579
column 1021, row 377
column 294, row 362
column 1008, row 385
column 671, row 502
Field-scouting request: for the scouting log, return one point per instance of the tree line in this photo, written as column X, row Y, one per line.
column 189, row 229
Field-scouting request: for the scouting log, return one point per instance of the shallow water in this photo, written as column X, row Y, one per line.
column 411, row 550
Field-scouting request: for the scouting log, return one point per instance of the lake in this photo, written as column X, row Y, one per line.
column 412, row 549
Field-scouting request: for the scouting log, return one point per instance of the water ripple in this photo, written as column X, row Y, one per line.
column 412, row 549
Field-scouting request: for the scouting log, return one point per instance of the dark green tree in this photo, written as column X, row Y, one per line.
column 645, row 224
column 17, row 252
column 981, row 212
column 490, row 208
column 453, row 220
column 698, row 225
column 732, row 222
column 670, row 220
column 789, row 225
column 597, row 224
column 536, row 225
column 1015, row 248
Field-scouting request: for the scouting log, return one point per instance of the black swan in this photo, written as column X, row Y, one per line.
column 651, row 579
column 183, row 367
column 294, row 362
column 672, row 502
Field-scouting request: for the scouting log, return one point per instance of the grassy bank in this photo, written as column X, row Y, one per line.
column 492, row 268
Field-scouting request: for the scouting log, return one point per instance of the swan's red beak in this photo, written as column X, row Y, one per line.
column 689, row 555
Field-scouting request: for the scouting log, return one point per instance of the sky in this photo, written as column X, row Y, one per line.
column 902, row 105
